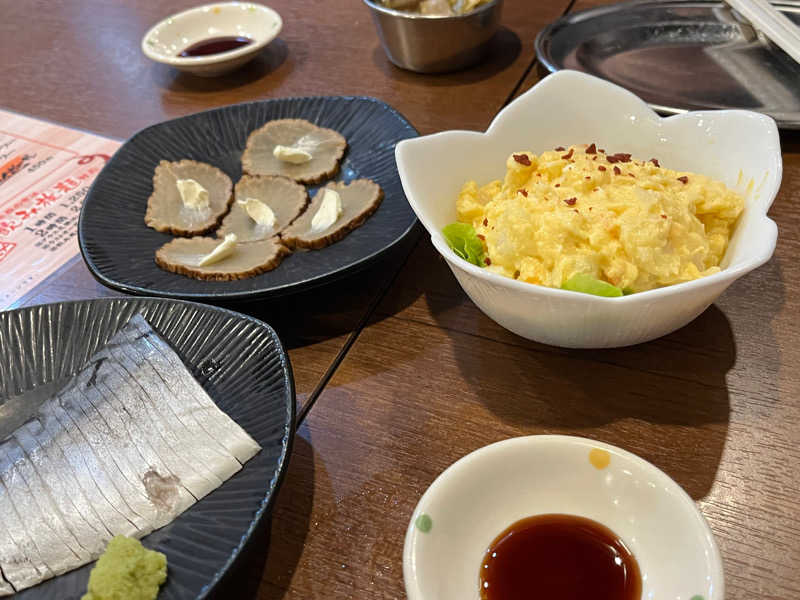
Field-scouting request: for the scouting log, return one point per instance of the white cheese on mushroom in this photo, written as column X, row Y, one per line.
column 192, row 193
column 291, row 154
column 222, row 251
column 258, row 211
column 329, row 211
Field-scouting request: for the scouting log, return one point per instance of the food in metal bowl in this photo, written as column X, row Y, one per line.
column 435, row 8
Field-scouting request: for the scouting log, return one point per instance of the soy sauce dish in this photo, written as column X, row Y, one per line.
column 212, row 39
column 558, row 517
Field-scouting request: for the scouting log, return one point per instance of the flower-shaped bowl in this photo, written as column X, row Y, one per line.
column 739, row 148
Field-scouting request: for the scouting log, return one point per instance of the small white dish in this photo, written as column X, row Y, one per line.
column 168, row 38
column 480, row 495
column 739, row 148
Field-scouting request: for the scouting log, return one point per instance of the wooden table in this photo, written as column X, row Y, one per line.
column 402, row 375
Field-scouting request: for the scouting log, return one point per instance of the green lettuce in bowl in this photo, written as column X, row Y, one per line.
column 464, row 241
column 586, row 284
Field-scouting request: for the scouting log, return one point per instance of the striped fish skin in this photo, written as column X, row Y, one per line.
column 140, row 460
column 88, row 527
column 111, row 451
column 157, row 437
column 78, row 456
column 223, row 465
column 141, row 434
column 92, row 452
column 53, row 551
column 5, row 588
column 60, row 513
column 128, row 444
column 194, row 416
column 175, row 438
column 194, row 398
column 19, row 557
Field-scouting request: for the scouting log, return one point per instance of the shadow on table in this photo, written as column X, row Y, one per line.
column 666, row 401
column 270, row 558
column 333, row 309
column 267, row 61
column 790, row 141
column 504, row 48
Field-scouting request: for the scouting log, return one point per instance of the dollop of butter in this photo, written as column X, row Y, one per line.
column 192, row 193
column 329, row 210
column 224, row 250
column 291, row 154
column 258, row 211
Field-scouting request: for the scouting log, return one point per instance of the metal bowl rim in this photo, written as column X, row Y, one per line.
column 378, row 8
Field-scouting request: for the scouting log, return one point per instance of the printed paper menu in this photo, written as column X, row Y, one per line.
column 45, row 172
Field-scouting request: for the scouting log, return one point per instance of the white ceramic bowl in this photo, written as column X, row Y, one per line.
column 165, row 40
column 486, row 491
column 567, row 108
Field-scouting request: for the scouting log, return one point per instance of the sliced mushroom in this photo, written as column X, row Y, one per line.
column 184, row 256
column 179, row 203
column 359, row 199
column 295, row 149
column 282, row 198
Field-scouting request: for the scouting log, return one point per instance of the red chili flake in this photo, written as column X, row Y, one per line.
column 485, row 222
column 568, row 155
column 482, row 237
column 594, row 157
column 571, row 201
column 655, row 162
column 619, row 157
column 516, row 274
column 592, row 149
column 557, row 185
column 523, row 159
column 631, row 175
column 587, row 177
column 590, row 208
column 538, row 174
column 601, row 168
column 596, row 190
column 576, row 210
column 663, row 216
column 523, row 192
column 684, row 180
column 487, row 261
column 560, row 149
column 617, row 171
column 602, row 151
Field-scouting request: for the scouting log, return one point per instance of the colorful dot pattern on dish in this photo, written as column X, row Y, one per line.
column 600, row 459
column 424, row 523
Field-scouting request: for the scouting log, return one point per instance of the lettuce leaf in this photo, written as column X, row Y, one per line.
column 463, row 240
column 581, row 282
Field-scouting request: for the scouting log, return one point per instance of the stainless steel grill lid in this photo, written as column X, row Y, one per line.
column 680, row 56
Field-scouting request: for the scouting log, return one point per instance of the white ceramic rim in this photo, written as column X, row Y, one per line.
column 725, row 276
column 409, row 572
column 211, row 59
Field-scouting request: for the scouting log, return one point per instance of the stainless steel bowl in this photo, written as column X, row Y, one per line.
column 429, row 44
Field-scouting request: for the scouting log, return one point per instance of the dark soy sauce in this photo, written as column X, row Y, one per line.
column 560, row 557
column 215, row 46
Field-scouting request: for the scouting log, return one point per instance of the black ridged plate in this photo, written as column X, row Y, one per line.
column 119, row 248
column 240, row 363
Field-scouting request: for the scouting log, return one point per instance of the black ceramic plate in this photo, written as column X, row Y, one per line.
column 238, row 360
column 119, row 249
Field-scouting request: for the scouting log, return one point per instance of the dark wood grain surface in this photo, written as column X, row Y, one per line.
column 424, row 376
column 79, row 63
